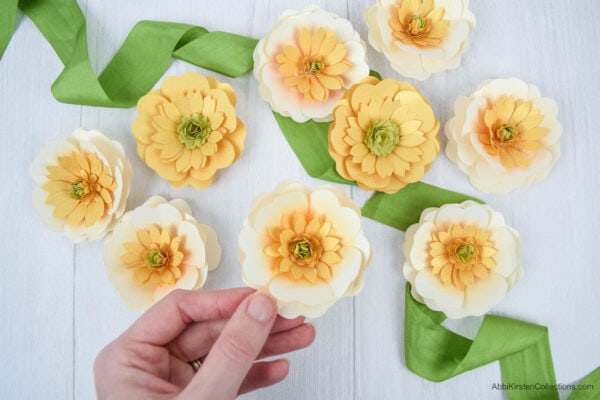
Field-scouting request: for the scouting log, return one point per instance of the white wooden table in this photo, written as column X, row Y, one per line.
column 58, row 309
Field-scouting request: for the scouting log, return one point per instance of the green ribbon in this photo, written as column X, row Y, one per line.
column 432, row 351
column 138, row 64
column 523, row 349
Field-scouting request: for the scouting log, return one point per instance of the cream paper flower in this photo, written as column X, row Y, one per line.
column 307, row 61
column 461, row 259
column 420, row 37
column 504, row 135
column 305, row 248
column 82, row 184
column 156, row 248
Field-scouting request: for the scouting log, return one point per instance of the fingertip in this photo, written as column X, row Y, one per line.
column 261, row 307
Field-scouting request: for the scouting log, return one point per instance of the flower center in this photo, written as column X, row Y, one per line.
column 506, row 133
column 302, row 249
column 382, row 137
column 194, row 130
column 417, row 25
column 313, row 67
column 465, row 252
column 461, row 254
column 314, row 63
column 76, row 190
column 156, row 259
column 80, row 188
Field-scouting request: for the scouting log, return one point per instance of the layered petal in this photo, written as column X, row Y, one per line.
column 504, row 136
column 461, row 258
column 156, row 248
column 306, row 62
column 188, row 129
column 418, row 37
column 82, row 184
column 305, row 248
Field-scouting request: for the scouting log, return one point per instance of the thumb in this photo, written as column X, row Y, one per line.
column 236, row 349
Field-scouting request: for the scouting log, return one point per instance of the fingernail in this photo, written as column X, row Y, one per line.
column 261, row 307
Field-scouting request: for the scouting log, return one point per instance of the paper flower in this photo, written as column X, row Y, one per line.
column 305, row 248
column 188, row 129
column 156, row 248
column 383, row 135
column 420, row 37
column 504, row 135
column 307, row 61
column 461, row 259
column 82, row 184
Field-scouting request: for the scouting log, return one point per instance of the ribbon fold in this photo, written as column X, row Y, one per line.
column 523, row 349
column 139, row 63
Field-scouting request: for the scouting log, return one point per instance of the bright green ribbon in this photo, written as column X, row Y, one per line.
column 432, row 351
column 138, row 64
column 309, row 141
column 523, row 349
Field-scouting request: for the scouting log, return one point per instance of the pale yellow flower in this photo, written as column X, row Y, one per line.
column 504, row 135
column 420, row 37
column 461, row 259
column 384, row 135
column 188, row 129
column 305, row 248
column 307, row 61
column 82, row 184
column 156, row 248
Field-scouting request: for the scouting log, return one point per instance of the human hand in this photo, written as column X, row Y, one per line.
column 230, row 328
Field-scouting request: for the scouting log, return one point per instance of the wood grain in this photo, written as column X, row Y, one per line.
column 58, row 308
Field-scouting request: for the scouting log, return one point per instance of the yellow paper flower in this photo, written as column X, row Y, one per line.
column 188, row 129
column 82, row 183
column 306, row 61
column 305, row 248
column 461, row 259
column 383, row 135
column 504, row 135
column 420, row 37
column 157, row 248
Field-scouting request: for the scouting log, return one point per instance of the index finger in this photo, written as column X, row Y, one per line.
column 166, row 319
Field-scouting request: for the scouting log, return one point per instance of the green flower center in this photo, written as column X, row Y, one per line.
column 302, row 249
column 419, row 22
column 506, row 133
column 76, row 190
column 155, row 259
column 382, row 137
column 194, row 130
column 465, row 252
column 313, row 67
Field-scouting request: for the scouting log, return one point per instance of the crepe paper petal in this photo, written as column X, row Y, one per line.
column 138, row 64
column 82, row 184
column 305, row 248
column 306, row 62
column 504, row 136
column 188, row 129
column 157, row 248
column 383, row 135
column 420, row 38
column 460, row 263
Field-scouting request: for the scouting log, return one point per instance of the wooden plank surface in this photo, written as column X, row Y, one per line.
column 58, row 308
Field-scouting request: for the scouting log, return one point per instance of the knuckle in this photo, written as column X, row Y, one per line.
column 234, row 348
